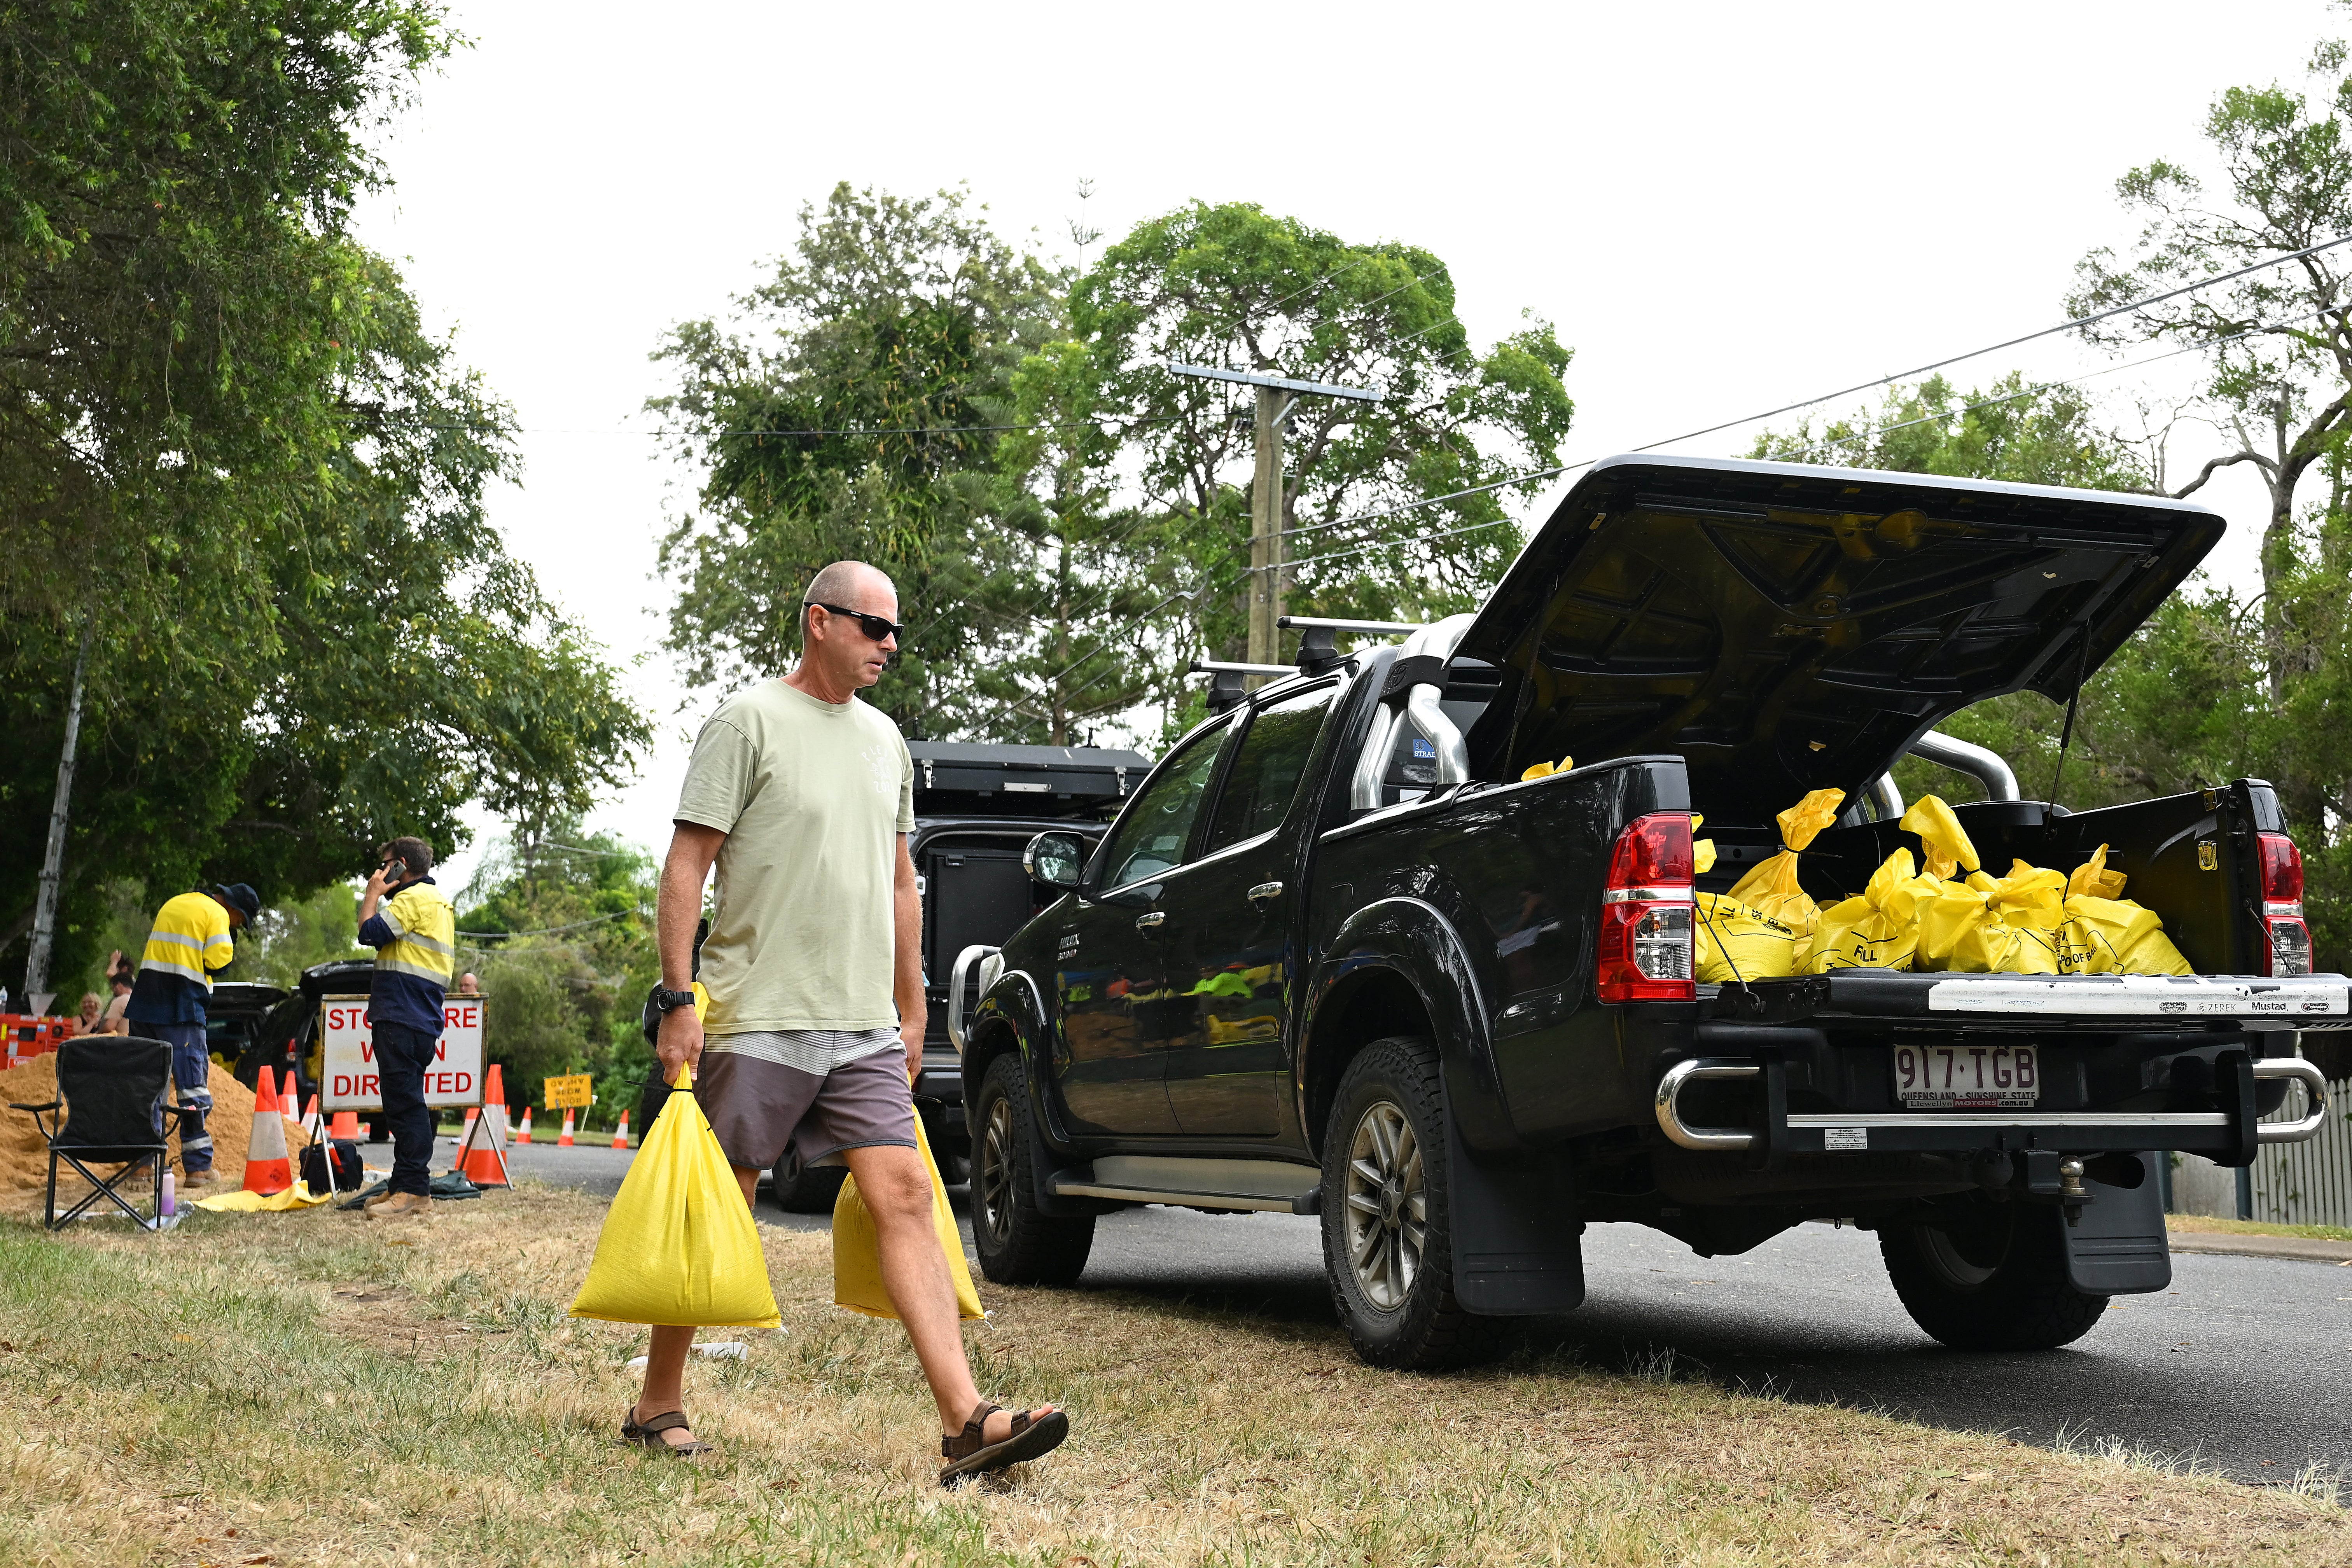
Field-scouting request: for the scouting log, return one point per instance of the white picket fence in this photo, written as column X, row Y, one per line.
column 2308, row 1183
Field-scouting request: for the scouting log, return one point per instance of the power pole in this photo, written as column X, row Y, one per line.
column 1275, row 396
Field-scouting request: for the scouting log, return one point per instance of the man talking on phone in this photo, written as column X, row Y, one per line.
column 414, row 935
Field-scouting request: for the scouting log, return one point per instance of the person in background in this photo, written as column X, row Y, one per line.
column 414, row 935
column 86, row 1018
column 468, row 985
column 117, row 980
column 188, row 944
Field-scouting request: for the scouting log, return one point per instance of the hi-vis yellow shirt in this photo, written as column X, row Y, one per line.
column 190, row 940
column 424, row 930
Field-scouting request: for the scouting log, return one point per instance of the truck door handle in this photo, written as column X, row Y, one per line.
column 1265, row 890
column 1146, row 923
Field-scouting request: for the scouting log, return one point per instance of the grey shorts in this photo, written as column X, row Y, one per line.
column 757, row 1107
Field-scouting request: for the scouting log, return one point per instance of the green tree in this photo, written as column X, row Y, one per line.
column 1231, row 286
column 559, row 926
column 839, row 415
column 230, row 451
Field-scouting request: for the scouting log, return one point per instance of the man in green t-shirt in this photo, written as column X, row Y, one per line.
column 802, row 796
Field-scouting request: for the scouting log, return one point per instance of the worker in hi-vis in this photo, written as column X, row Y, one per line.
column 189, row 943
column 416, row 939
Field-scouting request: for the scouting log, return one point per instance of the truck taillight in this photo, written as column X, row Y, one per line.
column 2289, row 950
column 1646, row 947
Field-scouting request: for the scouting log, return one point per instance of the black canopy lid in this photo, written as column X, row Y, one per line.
column 1787, row 628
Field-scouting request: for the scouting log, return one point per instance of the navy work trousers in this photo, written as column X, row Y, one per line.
column 192, row 1078
column 402, row 1056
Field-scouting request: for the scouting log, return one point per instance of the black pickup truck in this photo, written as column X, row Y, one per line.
column 1337, row 956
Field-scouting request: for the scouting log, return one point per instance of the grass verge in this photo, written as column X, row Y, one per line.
column 314, row 1388
column 2193, row 1222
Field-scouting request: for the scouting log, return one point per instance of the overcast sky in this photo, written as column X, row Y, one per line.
column 1723, row 208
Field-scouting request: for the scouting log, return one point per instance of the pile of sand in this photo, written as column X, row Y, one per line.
column 24, row 1159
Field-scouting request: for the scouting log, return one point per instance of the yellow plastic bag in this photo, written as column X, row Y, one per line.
column 857, row 1249
column 1771, row 887
column 298, row 1197
column 2107, row 935
column 679, row 1245
column 1941, row 836
column 2004, row 925
column 1734, row 943
column 1879, row 927
column 1545, row 770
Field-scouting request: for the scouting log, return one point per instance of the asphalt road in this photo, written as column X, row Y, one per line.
column 2245, row 1363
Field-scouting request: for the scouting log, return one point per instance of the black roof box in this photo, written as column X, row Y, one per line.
column 956, row 777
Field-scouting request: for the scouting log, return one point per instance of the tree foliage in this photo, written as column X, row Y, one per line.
column 838, row 414
column 229, row 449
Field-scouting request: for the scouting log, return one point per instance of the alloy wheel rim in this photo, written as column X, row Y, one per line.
column 1387, row 1206
column 994, row 1175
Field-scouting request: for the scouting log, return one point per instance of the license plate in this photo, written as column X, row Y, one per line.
column 1967, row 1077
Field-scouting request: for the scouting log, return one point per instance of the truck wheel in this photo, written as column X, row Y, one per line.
column 1017, row 1245
column 804, row 1189
column 1388, row 1244
column 1989, row 1277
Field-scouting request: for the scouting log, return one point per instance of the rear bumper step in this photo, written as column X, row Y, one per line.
column 1958, row 1132
column 2036, row 1001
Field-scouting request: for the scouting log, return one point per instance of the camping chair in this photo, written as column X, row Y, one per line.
column 110, row 1088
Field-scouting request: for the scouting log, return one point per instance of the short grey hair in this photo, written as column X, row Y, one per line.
column 834, row 583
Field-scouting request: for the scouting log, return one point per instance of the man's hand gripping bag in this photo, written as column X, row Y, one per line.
column 678, row 1246
column 857, row 1248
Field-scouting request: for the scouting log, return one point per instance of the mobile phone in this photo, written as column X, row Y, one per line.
column 394, row 870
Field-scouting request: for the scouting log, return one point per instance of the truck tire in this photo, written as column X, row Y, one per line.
column 804, row 1189
column 1989, row 1277
column 1017, row 1244
column 1388, row 1247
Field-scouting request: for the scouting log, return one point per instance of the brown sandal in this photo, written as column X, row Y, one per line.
column 970, row 1454
column 649, row 1433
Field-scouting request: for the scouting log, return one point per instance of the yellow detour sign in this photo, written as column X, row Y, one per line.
column 569, row 1093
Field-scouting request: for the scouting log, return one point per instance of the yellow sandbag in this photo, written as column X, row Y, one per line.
column 2107, row 935
column 1941, row 836
column 1771, row 887
column 1879, row 927
column 1544, row 770
column 679, row 1245
column 2005, row 925
column 298, row 1197
column 1734, row 943
column 857, row 1249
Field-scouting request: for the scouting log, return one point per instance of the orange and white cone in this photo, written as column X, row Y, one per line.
column 563, row 1139
column 523, row 1135
column 481, row 1158
column 345, row 1125
column 621, row 1133
column 311, row 1125
column 496, row 1107
column 267, row 1169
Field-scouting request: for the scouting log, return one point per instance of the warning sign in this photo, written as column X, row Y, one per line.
column 453, row 1079
column 569, row 1093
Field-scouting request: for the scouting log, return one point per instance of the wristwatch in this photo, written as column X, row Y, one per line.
column 670, row 1001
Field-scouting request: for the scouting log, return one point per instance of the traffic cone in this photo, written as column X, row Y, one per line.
column 564, row 1140
column 481, row 1158
column 497, row 1107
column 310, row 1122
column 267, row 1168
column 345, row 1125
column 621, row 1133
column 289, row 1105
column 523, row 1135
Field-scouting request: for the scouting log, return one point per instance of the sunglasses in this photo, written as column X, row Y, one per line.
column 874, row 626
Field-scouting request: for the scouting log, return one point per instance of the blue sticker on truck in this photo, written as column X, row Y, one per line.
column 1423, row 749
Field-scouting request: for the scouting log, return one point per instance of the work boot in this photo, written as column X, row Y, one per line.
column 399, row 1205
column 203, row 1178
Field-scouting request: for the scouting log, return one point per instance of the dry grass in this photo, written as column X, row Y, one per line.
column 311, row 1387
column 2255, row 1227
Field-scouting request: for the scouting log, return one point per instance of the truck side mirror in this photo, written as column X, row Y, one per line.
column 1056, row 859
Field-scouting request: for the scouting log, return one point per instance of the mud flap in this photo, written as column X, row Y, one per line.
column 2119, row 1249
column 1517, row 1245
